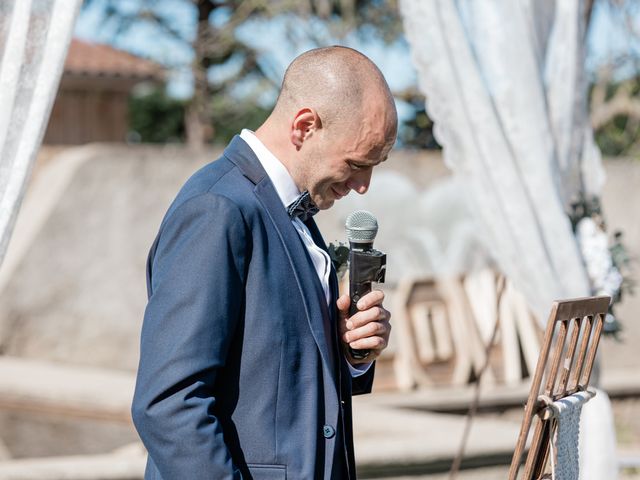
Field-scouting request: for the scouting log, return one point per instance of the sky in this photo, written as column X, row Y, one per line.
column 278, row 49
column 609, row 36
column 607, row 39
column 276, row 53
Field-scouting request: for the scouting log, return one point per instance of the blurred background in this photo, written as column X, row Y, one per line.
column 150, row 90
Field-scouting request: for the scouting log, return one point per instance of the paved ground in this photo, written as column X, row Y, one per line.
column 395, row 433
column 492, row 473
column 425, row 442
column 390, row 439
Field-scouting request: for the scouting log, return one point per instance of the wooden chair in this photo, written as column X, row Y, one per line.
column 571, row 322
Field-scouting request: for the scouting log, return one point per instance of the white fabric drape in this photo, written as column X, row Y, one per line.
column 34, row 37
column 564, row 459
column 506, row 89
column 505, row 86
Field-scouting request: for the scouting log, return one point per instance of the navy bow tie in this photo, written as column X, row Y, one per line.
column 302, row 207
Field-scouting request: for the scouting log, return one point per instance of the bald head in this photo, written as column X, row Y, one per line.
column 336, row 82
column 334, row 121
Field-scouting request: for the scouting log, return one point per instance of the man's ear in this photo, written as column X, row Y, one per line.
column 304, row 124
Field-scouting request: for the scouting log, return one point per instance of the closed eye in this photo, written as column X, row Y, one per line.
column 357, row 166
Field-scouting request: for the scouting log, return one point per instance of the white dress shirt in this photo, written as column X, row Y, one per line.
column 288, row 192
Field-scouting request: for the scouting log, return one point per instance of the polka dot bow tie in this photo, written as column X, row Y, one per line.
column 302, row 207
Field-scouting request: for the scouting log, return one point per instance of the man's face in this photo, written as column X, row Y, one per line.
column 338, row 162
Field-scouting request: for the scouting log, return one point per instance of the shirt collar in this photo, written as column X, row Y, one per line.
column 277, row 172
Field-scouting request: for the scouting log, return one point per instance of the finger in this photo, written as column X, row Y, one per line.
column 343, row 303
column 380, row 329
column 370, row 343
column 373, row 314
column 374, row 297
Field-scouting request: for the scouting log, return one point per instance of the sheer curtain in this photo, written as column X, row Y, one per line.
column 506, row 89
column 34, row 37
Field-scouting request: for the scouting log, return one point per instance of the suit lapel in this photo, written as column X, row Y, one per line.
column 305, row 276
column 333, row 279
column 343, row 369
column 333, row 333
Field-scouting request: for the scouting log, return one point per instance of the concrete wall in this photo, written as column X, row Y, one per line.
column 621, row 204
column 73, row 289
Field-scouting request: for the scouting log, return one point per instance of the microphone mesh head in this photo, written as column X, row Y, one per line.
column 361, row 226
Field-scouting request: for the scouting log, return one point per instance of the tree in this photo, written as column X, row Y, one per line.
column 154, row 117
column 615, row 115
column 378, row 17
column 212, row 38
column 615, row 93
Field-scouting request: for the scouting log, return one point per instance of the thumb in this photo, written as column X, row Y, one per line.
column 343, row 304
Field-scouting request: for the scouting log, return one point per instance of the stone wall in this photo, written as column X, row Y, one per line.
column 72, row 287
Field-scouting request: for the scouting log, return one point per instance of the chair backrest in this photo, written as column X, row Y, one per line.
column 573, row 333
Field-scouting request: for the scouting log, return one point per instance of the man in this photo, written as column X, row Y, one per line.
column 244, row 370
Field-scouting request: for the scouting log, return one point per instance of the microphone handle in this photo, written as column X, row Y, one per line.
column 356, row 292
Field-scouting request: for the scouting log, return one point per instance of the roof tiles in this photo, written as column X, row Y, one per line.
column 92, row 59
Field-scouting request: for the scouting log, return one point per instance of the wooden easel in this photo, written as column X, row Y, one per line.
column 579, row 321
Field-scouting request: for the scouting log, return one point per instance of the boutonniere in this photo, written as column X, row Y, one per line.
column 339, row 255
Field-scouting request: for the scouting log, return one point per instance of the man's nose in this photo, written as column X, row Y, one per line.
column 360, row 181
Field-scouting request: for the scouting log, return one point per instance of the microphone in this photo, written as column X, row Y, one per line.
column 366, row 265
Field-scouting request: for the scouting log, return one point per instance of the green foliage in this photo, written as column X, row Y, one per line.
column 417, row 131
column 377, row 18
column 619, row 137
column 618, row 134
column 156, row 117
column 231, row 116
column 339, row 255
column 221, row 59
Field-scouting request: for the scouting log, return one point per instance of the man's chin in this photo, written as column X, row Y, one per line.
column 325, row 203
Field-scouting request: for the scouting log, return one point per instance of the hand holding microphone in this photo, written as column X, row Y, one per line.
column 367, row 323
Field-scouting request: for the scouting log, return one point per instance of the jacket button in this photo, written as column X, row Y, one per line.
column 328, row 431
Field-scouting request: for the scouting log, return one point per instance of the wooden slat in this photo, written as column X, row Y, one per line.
column 533, row 395
column 534, row 450
column 591, row 356
column 582, row 307
column 582, row 353
column 576, row 323
column 541, row 459
column 556, row 359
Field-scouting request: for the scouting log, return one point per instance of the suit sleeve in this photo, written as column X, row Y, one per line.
column 363, row 383
column 197, row 275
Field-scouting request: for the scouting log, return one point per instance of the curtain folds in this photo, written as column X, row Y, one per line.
column 34, row 37
column 505, row 86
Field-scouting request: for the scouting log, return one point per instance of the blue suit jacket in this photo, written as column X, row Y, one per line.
column 241, row 374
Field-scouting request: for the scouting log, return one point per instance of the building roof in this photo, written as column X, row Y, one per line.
column 93, row 59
